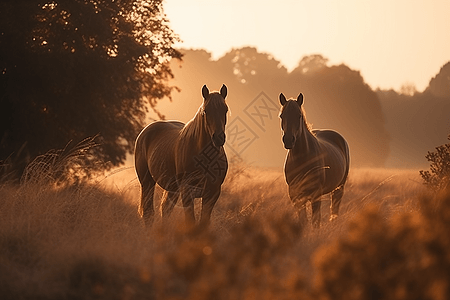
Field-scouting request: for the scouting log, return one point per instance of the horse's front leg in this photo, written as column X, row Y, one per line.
column 168, row 202
column 302, row 214
column 316, row 215
column 300, row 206
column 209, row 199
column 187, row 199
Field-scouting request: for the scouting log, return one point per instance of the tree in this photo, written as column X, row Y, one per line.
column 408, row 89
column 77, row 68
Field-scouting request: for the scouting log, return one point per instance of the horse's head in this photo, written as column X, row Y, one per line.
column 215, row 110
column 291, row 119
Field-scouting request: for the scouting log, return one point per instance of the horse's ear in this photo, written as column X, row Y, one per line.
column 282, row 99
column 300, row 99
column 223, row 91
column 205, row 92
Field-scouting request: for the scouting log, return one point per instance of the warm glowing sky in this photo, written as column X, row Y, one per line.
column 391, row 42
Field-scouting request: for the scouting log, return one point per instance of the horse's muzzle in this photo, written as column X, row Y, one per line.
column 288, row 142
column 218, row 139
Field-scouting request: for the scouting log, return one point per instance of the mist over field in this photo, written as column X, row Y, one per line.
column 383, row 128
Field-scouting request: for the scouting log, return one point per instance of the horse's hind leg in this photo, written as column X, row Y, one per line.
column 147, row 191
column 168, row 203
column 336, row 202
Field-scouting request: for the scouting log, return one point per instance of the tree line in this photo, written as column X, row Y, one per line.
column 383, row 128
column 336, row 97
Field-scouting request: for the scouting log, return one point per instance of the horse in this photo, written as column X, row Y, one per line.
column 186, row 160
column 317, row 162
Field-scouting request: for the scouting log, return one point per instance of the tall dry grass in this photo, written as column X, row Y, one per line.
column 87, row 241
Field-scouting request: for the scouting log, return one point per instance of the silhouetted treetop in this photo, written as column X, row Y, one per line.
column 311, row 63
column 440, row 84
column 249, row 65
column 78, row 68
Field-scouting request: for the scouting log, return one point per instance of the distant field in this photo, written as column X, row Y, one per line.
column 88, row 242
column 255, row 190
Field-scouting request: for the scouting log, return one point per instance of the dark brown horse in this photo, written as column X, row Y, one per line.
column 186, row 160
column 317, row 162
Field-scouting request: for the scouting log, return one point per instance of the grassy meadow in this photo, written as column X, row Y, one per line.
column 87, row 241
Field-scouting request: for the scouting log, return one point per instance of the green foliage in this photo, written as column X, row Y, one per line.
column 438, row 178
column 71, row 69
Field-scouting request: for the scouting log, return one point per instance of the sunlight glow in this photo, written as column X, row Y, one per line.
column 390, row 42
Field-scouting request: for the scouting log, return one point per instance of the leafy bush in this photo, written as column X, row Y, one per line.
column 438, row 177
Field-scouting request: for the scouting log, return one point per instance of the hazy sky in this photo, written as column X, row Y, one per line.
column 391, row 42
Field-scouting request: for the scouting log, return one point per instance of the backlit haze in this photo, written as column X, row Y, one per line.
column 391, row 43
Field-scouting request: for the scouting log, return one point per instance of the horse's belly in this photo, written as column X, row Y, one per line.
column 332, row 181
column 161, row 155
column 311, row 180
column 335, row 171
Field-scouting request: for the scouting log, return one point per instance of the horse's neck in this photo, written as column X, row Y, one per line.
column 305, row 143
column 197, row 131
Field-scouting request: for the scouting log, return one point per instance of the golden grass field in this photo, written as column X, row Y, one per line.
column 89, row 242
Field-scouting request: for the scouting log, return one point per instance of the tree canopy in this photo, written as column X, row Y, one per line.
column 77, row 68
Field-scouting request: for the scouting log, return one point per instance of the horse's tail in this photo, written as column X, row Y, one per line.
column 146, row 180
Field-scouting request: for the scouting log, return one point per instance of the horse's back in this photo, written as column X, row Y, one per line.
column 157, row 133
column 333, row 138
column 155, row 151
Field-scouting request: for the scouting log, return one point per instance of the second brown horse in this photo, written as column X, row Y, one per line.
column 317, row 162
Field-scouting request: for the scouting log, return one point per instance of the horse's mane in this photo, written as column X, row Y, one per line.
column 196, row 125
column 305, row 121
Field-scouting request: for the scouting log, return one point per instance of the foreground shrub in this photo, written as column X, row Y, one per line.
column 405, row 257
column 84, row 242
column 438, row 178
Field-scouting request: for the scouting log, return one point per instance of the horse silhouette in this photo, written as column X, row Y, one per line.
column 317, row 162
column 186, row 160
